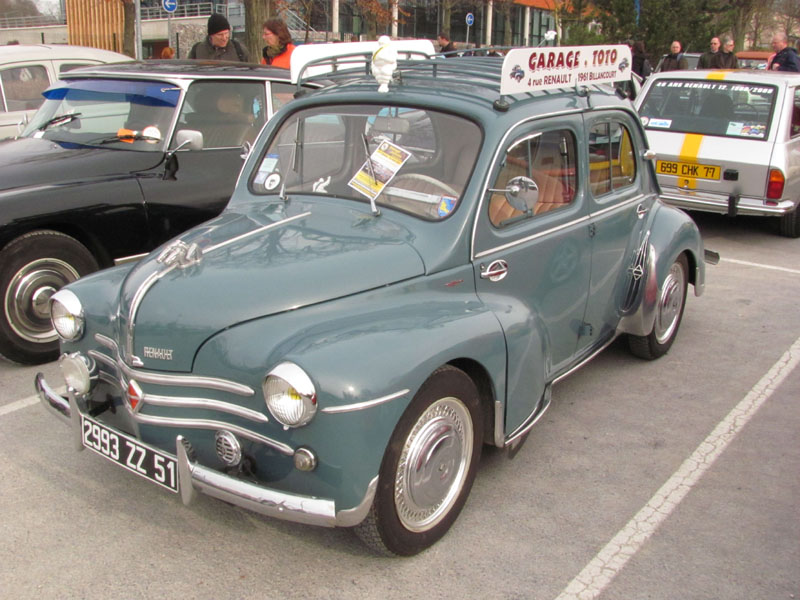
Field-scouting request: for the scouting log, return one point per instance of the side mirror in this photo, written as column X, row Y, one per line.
column 522, row 193
column 189, row 139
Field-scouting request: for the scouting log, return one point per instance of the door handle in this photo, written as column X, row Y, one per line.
column 496, row 271
column 641, row 211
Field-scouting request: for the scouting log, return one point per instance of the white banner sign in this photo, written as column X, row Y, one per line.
column 529, row 69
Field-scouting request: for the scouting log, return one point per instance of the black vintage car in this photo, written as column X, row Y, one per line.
column 119, row 159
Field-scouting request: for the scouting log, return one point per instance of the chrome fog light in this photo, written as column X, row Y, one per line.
column 66, row 313
column 228, row 448
column 290, row 395
column 77, row 370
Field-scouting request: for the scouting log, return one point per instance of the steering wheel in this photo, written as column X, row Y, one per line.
column 426, row 179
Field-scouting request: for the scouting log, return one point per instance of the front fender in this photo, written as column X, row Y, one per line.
column 367, row 356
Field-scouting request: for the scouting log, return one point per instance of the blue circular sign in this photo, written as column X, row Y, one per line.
column 470, row 18
column 169, row 5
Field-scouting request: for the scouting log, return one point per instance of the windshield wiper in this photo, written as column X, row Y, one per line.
column 60, row 120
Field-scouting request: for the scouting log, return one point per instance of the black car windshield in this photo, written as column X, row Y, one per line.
column 134, row 115
column 721, row 108
column 414, row 160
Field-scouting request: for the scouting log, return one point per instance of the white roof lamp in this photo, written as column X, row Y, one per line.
column 384, row 63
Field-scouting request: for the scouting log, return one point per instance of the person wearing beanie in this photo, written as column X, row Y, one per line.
column 279, row 46
column 219, row 45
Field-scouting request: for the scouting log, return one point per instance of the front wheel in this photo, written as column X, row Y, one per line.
column 32, row 268
column 671, row 302
column 428, row 468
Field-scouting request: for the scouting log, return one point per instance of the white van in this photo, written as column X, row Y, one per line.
column 26, row 70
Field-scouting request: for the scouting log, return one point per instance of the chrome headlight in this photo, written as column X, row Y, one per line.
column 66, row 313
column 290, row 395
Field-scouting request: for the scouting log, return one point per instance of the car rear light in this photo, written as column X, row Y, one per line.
column 775, row 184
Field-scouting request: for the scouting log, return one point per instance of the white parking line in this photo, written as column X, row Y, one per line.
column 18, row 405
column 602, row 569
column 760, row 266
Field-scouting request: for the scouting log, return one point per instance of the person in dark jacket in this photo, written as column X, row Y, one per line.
column 219, row 45
column 725, row 58
column 445, row 43
column 639, row 63
column 707, row 59
column 674, row 61
column 785, row 58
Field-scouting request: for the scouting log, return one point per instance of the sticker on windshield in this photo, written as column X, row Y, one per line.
column 757, row 130
column 662, row 123
column 446, row 206
column 379, row 169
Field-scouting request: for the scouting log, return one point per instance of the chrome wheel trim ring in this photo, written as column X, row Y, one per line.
column 433, row 464
column 670, row 303
column 27, row 298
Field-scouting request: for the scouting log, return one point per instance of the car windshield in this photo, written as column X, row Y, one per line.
column 134, row 115
column 721, row 108
column 410, row 159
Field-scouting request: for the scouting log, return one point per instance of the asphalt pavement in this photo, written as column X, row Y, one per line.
column 672, row 479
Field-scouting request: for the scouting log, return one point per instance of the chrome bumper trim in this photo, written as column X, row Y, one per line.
column 194, row 477
column 719, row 204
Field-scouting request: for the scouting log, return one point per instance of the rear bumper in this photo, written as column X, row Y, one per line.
column 194, row 477
column 723, row 204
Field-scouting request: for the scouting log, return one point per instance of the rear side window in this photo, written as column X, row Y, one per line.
column 612, row 165
column 795, row 124
column 23, row 87
column 728, row 109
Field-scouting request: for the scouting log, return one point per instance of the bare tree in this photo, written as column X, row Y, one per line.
column 255, row 13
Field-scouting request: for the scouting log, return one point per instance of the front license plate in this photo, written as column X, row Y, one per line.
column 130, row 454
column 683, row 169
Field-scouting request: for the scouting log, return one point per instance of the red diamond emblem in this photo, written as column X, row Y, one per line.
column 135, row 394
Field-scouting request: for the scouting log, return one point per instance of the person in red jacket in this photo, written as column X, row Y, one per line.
column 279, row 46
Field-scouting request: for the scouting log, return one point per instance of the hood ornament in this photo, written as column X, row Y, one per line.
column 180, row 254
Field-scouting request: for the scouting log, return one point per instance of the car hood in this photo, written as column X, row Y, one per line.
column 35, row 162
column 255, row 262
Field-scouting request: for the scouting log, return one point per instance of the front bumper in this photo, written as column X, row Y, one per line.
column 724, row 204
column 194, row 477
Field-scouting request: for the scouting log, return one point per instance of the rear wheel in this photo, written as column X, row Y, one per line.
column 429, row 466
column 32, row 268
column 790, row 224
column 671, row 302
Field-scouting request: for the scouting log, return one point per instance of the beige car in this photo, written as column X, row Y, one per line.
column 727, row 141
column 27, row 70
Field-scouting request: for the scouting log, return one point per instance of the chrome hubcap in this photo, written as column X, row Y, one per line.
column 670, row 303
column 433, row 464
column 27, row 299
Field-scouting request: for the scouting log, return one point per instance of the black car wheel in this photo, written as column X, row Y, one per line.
column 671, row 302
column 32, row 268
column 428, row 468
column 790, row 224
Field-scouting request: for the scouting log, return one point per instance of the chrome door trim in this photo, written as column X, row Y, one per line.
column 532, row 237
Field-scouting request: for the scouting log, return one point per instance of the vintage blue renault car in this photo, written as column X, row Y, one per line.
column 399, row 278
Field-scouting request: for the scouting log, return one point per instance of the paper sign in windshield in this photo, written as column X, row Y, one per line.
column 379, row 169
column 529, row 69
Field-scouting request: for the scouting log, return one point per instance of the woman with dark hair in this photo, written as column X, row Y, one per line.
column 279, row 46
